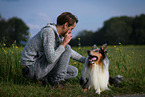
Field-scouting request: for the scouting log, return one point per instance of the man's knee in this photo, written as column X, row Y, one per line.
column 75, row 72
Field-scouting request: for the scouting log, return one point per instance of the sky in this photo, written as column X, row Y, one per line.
column 91, row 13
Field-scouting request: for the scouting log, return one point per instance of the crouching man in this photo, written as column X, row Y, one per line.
column 46, row 55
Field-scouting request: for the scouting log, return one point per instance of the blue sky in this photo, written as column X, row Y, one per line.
column 91, row 13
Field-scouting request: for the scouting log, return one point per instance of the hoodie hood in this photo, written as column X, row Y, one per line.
column 53, row 26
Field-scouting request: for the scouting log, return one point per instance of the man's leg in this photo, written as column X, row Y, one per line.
column 72, row 72
column 59, row 72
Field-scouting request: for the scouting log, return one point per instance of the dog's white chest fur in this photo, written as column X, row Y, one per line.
column 97, row 76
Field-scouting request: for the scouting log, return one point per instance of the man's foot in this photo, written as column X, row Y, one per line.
column 58, row 84
column 42, row 82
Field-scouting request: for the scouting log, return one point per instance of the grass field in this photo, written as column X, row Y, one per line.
column 128, row 61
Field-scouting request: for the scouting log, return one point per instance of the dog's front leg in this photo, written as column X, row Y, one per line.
column 98, row 91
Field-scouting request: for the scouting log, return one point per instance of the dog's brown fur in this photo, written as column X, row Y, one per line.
column 100, row 58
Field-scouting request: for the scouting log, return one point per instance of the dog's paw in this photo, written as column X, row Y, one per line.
column 84, row 90
column 109, row 85
column 98, row 91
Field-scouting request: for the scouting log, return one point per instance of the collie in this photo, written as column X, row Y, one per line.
column 95, row 73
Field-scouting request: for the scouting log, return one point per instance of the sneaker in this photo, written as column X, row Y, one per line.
column 58, row 84
column 42, row 82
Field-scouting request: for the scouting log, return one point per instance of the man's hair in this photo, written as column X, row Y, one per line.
column 67, row 17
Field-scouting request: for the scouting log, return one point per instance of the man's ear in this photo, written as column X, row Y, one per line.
column 65, row 25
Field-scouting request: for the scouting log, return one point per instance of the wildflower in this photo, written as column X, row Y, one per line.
column 116, row 67
column 114, row 45
column 128, row 56
column 75, row 62
column 120, row 50
column 13, row 45
column 5, row 51
column 79, row 44
column 119, row 43
column 16, row 46
column 4, row 44
column 117, row 49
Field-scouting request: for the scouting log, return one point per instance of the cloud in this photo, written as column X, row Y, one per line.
column 45, row 17
column 32, row 26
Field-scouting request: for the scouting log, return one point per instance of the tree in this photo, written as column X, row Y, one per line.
column 85, row 38
column 117, row 30
column 2, row 29
column 13, row 30
column 138, row 34
column 127, row 30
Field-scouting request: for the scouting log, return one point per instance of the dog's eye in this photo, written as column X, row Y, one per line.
column 96, row 50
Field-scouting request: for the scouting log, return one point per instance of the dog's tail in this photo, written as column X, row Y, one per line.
column 116, row 81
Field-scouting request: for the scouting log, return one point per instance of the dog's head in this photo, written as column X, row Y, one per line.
column 97, row 55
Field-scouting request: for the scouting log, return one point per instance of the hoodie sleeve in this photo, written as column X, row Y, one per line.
column 77, row 56
column 49, row 42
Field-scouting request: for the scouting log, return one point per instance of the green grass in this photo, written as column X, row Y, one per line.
column 128, row 61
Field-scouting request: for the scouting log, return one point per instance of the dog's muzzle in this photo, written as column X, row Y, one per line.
column 92, row 59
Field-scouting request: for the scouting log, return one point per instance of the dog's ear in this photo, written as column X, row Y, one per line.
column 104, row 46
column 94, row 47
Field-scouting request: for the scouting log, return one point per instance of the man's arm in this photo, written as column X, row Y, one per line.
column 77, row 56
column 52, row 54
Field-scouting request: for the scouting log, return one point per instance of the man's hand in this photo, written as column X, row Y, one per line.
column 67, row 38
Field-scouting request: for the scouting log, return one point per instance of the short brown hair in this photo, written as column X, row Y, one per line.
column 67, row 17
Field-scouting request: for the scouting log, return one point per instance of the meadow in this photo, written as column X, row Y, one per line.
column 128, row 61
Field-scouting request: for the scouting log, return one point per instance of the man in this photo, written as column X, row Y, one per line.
column 47, row 54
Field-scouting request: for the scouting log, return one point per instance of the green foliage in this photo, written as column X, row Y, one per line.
column 138, row 35
column 10, row 68
column 117, row 30
column 124, row 60
column 83, row 36
column 127, row 30
column 13, row 29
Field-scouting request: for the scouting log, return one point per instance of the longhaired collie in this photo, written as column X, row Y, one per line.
column 95, row 73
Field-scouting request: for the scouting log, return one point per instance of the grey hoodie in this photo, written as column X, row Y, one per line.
column 46, row 43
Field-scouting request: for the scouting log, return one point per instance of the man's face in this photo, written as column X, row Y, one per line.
column 70, row 28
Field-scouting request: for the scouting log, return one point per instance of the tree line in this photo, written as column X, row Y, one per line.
column 124, row 29
column 13, row 29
